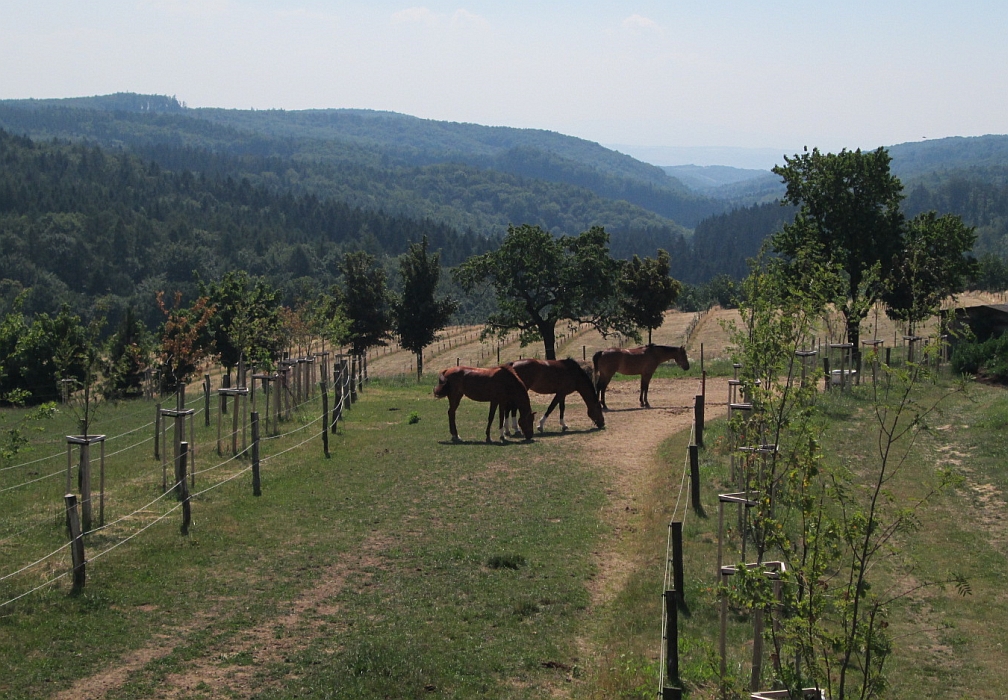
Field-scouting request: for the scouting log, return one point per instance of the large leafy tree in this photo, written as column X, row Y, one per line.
column 848, row 219
column 246, row 323
column 540, row 279
column 648, row 290
column 365, row 302
column 417, row 315
column 931, row 267
column 36, row 356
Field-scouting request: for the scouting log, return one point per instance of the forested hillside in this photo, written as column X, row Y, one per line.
column 367, row 157
column 80, row 225
column 114, row 198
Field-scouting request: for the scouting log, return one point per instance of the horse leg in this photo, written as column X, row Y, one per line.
column 453, row 403
column 542, row 421
column 603, row 382
column 493, row 409
column 510, row 413
column 563, row 400
column 645, row 382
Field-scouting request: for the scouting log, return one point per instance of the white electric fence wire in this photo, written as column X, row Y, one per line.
column 35, row 563
column 26, row 483
column 668, row 558
column 26, row 593
column 130, row 515
column 34, row 461
column 296, row 430
column 219, row 464
column 148, row 505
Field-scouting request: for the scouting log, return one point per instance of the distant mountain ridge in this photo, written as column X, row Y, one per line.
column 381, row 140
column 476, row 180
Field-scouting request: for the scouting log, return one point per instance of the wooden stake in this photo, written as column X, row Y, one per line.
column 183, row 489
column 77, row 540
column 256, row 485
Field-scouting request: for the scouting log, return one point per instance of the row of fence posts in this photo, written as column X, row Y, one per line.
column 842, row 368
column 349, row 376
column 744, row 498
column 674, row 597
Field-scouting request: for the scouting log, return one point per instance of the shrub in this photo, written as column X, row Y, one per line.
column 988, row 360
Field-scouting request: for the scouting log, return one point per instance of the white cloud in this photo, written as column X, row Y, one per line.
column 191, row 8
column 415, row 15
column 639, row 22
column 464, row 18
column 460, row 19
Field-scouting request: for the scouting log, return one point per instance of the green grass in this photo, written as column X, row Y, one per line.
column 461, row 570
column 405, row 521
column 946, row 645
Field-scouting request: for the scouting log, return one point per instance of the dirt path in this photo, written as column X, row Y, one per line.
column 627, row 452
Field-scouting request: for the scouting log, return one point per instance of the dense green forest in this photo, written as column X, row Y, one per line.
column 106, row 200
column 84, row 227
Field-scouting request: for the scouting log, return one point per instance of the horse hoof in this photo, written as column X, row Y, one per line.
column 540, row 429
column 455, row 438
column 563, row 428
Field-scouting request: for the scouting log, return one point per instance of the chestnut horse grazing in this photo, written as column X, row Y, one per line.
column 498, row 385
column 560, row 377
column 643, row 361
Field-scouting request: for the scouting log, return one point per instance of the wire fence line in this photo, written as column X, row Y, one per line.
column 144, row 507
column 32, row 481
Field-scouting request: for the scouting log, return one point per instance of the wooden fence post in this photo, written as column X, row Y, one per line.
column 671, row 643
column 256, row 486
column 157, row 430
column 677, row 562
column 698, row 415
column 183, row 489
column 694, row 460
column 325, row 415
column 77, row 540
column 206, row 400
column 85, row 486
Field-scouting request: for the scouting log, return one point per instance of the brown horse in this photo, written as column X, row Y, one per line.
column 643, row 361
column 498, row 385
column 560, row 377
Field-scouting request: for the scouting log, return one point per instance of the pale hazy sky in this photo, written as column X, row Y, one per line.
column 755, row 74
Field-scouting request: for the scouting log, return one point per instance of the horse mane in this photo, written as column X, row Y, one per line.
column 574, row 366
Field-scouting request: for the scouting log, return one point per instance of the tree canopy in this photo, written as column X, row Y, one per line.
column 848, row 218
column 417, row 315
column 647, row 291
column 930, row 268
column 365, row 301
column 540, row 279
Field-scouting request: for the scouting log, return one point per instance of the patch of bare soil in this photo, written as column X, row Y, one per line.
column 219, row 673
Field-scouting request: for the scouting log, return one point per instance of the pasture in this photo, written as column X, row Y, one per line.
column 408, row 566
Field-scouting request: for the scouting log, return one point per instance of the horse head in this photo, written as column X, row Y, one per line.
column 526, row 421
column 441, row 389
column 671, row 352
column 681, row 358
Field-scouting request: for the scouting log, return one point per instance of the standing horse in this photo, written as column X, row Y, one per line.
column 498, row 385
column 643, row 361
column 560, row 377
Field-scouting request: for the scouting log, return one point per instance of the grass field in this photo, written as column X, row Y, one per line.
column 406, row 566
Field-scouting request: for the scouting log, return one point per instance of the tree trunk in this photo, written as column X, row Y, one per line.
column 854, row 338
column 548, row 332
column 419, row 366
